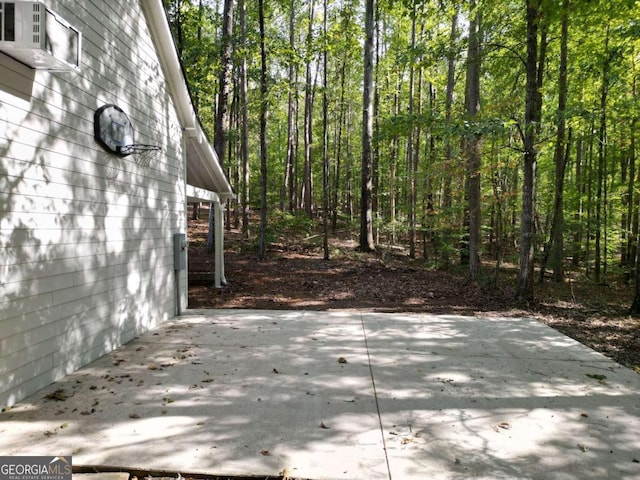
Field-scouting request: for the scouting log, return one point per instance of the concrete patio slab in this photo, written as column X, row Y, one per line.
column 342, row 395
column 500, row 398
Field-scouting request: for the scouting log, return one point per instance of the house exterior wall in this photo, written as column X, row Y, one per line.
column 86, row 238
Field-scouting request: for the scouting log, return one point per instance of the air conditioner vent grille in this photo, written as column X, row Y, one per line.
column 38, row 37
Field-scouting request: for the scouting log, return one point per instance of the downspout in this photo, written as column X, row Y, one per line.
column 219, row 277
column 185, row 227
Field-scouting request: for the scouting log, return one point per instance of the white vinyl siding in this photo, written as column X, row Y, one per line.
column 86, row 255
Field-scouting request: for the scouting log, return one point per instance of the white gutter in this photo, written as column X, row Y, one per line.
column 154, row 11
column 208, row 164
column 204, row 164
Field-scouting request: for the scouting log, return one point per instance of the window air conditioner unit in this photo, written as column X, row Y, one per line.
column 34, row 35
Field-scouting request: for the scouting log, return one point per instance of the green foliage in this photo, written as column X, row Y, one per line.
column 287, row 225
column 438, row 134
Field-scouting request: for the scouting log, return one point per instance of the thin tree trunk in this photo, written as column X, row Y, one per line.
column 307, row 195
column 472, row 142
column 349, row 167
column 222, row 112
column 410, row 144
column 631, row 203
column 262, row 243
column 393, row 193
column 244, row 128
column 631, row 219
column 601, row 188
column 451, row 72
column 366, row 217
column 560, row 158
column 288, row 185
column 590, row 170
column 577, row 234
column 417, row 143
column 524, row 290
column 375, row 144
column 226, row 66
column 325, row 142
column 635, row 306
column 337, row 168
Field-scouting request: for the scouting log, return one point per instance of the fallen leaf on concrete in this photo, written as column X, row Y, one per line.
column 59, row 395
column 153, row 367
column 596, row 376
column 322, row 425
column 406, row 440
column 64, row 425
column 501, row 425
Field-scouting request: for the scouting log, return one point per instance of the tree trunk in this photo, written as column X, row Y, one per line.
column 560, row 158
column 524, row 290
column 375, row 143
column 393, row 191
column 307, row 194
column 451, row 78
column 288, row 184
column 635, row 306
column 262, row 242
column 632, row 223
column 472, row 142
column 577, row 217
column 366, row 217
column 410, row 145
column 601, row 188
column 325, row 141
column 589, row 229
column 338, row 142
column 244, row 128
column 222, row 111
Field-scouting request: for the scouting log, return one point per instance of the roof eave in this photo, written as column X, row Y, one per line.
column 203, row 170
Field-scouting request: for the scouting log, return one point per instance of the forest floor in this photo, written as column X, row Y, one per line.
column 295, row 276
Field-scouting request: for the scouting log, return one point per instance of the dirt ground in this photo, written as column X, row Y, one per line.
column 295, row 276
